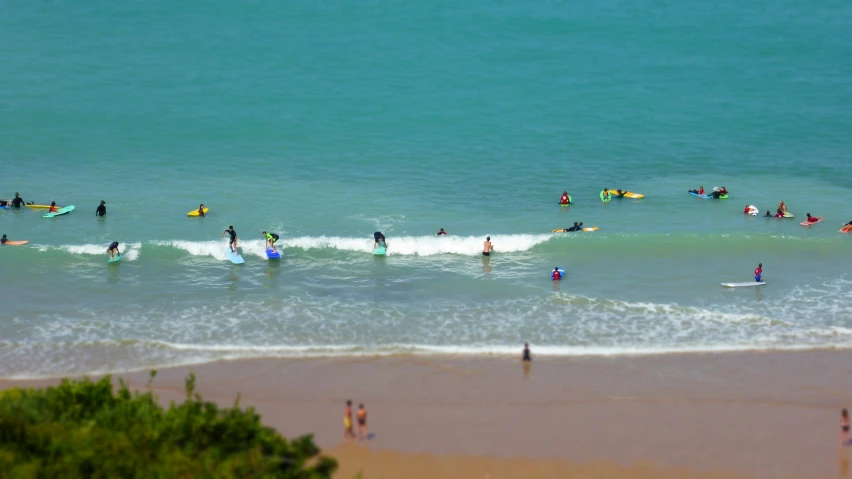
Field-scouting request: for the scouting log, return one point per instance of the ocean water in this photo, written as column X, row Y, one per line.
column 326, row 121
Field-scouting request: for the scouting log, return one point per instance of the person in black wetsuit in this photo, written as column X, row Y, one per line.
column 576, row 227
column 17, row 201
column 101, row 210
column 3, row 240
column 379, row 238
column 233, row 242
column 527, row 356
column 113, row 250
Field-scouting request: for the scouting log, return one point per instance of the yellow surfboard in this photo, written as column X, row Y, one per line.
column 41, row 207
column 627, row 194
column 195, row 212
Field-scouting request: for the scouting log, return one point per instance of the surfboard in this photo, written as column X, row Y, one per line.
column 63, row 211
column 16, row 243
column 753, row 210
column 700, row 196
column 787, row 214
column 41, row 207
column 846, row 229
column 807, row 223
column 273, row 255
column 743, row 285
column 195, row 212
column 234, row 256
column 590, row 229
column 114, row 260
column 380, row 250
column 626, row 194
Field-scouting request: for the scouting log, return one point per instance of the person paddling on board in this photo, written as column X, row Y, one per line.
column 113, row 250
column 576, row 227
column 201, row 210
column 3, row 240
column 565, row 200
column 813, row 219
column 699, row 191
column 441, row 233
column 379, row 238
column 17, row 201
column 487, row 247
column 101, row 210
column 758, row 272
column 556, row 275
column 233, row 242
column 271, row 238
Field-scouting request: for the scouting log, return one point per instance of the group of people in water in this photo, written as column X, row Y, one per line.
column 717, row 193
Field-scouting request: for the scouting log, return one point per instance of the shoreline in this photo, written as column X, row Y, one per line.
column 760, row 414
column 448, row 354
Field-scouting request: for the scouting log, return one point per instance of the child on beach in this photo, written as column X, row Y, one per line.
column 348, row 434
column 527, row 356
column 844, row 428
column 362, row 423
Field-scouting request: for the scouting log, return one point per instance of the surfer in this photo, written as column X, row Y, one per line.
column 576, row 227
column 17, row 201
column 768, row 214
column 52, row 207
column 271, row 238
column 201, row 210
column 101, row 210
column 565, row 200
column 113, row 250
column 233, row 242
column 699, row 191
column 441, row 233
column 3, row 240
column 758, row 272
column 379, row 238
column 813, row 219
column 556, row 275
column 487, row 247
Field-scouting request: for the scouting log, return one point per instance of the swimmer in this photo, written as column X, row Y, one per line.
column 3, row 240
column 101, row 210
column 53, row 207
column 234, row 239
column 270, row 238
column 201, row 210
column 699, row 191
column 565, row 200
column 441, row 233
column 768, row 214
column 556, row 275
column 113, row 250
column 487, row 247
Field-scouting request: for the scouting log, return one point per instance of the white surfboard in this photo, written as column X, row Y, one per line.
column 743, row 285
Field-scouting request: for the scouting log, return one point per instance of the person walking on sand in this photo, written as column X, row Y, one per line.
column 527, row 356
column 487, row 247
column 348, row 434
column 844, row 428
column 362, row 423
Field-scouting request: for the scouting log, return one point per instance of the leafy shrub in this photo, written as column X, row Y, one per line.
column 89, row 429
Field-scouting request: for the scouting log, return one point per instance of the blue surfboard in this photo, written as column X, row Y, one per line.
column 700, row 196
column 380, row 250
column 114, row 260
column 234, row 256
column 273, row 254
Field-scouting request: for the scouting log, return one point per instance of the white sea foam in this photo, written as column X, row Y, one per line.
column 130, row 252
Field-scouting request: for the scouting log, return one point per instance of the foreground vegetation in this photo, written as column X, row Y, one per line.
column 92, row 430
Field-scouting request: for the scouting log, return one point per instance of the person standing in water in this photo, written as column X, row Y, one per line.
column 758, row 272
column 556, row 275
column 487, row 247
column 113, row 250
column 201, row 210
column 17, row 201
column 233, row 242
column 101, row 210
column 565, row 200
column 379, row 239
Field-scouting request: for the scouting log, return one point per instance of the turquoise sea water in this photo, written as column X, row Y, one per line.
column 326, row 121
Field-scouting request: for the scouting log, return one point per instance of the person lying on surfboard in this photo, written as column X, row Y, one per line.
column 113, row 250
column 441, row 233
column 379, row 238
column 3, row 240
column 699, row 191
column 565, row 200
column 576, row 227
column 813, row 219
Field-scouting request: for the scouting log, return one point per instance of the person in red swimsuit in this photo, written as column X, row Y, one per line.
column 565, row 200
column 556, row 275
column 53, row 207
column 813, row 219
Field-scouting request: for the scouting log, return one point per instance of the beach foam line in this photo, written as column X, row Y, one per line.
column 130, row 252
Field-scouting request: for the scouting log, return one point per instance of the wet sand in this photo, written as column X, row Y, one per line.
column 766, row 415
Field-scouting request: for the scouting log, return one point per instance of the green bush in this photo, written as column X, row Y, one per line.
column 92, row 430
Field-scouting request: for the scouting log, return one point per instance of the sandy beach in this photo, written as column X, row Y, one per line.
column 764, row 415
